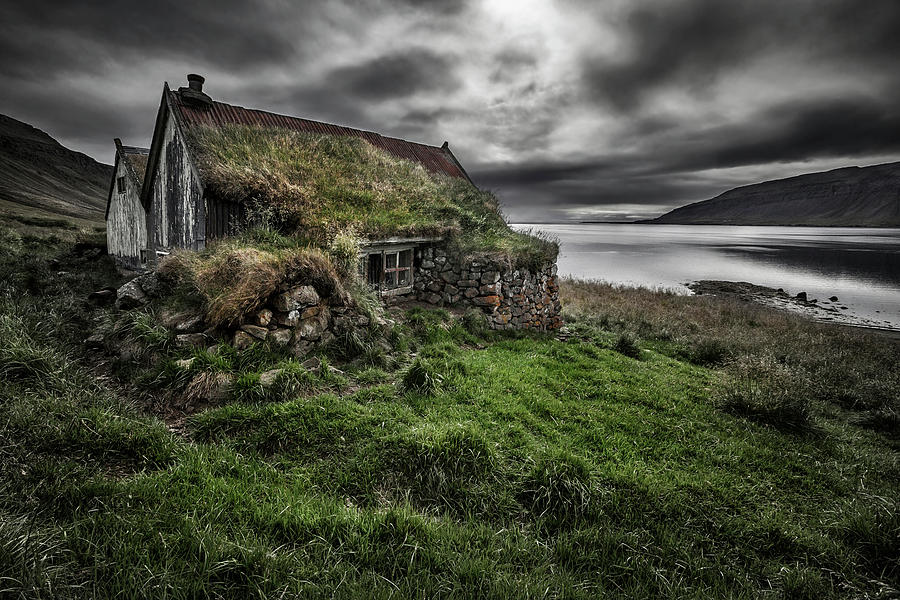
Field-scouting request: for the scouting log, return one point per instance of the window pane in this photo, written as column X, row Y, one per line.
column 390, row 260
column 406, row 258
column 403, row 277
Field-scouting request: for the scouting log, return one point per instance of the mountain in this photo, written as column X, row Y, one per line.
column 38, row 175
column 851, row 196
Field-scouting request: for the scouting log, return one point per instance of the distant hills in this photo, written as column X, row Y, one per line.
column 41, row 177
column 851, row 197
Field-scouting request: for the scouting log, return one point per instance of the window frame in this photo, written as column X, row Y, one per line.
column 120, row 184
column 393, row 280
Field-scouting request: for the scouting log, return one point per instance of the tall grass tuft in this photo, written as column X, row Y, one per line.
column 234, row 279
column 766, row 390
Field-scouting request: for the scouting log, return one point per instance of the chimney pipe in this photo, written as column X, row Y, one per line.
column 195, row 82
column 193, row 95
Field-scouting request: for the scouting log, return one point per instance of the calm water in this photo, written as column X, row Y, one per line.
column 861, row 266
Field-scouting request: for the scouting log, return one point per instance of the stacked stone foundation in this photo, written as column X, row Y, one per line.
column 511, row 298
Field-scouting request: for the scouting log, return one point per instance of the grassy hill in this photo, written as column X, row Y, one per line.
column 849, row 197
column 666, row 446
column 40, row 178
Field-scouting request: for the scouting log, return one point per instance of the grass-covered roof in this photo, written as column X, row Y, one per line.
column 317, row 185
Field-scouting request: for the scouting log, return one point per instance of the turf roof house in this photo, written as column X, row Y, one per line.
column 181, row 210
column 182, row 214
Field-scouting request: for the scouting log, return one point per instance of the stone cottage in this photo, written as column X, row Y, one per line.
column 180, row 211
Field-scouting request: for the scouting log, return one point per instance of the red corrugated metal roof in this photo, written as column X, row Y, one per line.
column 432, row 158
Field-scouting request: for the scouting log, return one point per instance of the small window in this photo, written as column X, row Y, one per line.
column 388, row 270
column 120, row 184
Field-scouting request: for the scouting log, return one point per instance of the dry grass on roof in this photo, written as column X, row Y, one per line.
column 319, row 184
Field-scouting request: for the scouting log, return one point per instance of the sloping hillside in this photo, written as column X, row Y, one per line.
column 39, row 176
column 851, row 196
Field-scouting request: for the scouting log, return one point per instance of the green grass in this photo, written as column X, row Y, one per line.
column 530, row 467
column 319, row 186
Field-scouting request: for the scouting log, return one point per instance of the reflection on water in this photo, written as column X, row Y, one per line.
column 861, row 266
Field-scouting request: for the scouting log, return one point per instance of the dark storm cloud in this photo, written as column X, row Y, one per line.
column 690, row 44
column 44, row 35
column 395, row 75
column 564, row 108
column 801, row 130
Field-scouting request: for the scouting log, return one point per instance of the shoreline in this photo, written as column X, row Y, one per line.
column 822, row 311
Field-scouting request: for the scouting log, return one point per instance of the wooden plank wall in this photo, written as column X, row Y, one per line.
column 126, row 225
column 177, row 200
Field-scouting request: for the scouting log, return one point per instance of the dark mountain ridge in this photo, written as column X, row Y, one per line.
column 849, row 196
column 38, row 175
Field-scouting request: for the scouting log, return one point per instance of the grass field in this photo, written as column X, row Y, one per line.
column 668, row 447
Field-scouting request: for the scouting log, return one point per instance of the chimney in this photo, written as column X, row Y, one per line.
column 193, row 94
column 195, row 82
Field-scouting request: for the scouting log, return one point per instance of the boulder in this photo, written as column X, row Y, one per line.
column 263, row 317
column 288, row 319
column 311, row 364
column 149, row 282
column 130, row 296
column 242, row 340
column 104, row 297
column 256, row 331
column 280, row 336
column 94, row 342
column 267, row 378
column 298, row 297
column 801, row 296
column 188, row 323
column 191, row 339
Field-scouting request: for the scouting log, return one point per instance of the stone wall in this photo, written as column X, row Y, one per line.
column 298, row 317
column 511, row 298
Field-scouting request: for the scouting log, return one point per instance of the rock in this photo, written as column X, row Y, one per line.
column 327, row 338
column 130, row 296
column 432, row 298
column 189, row 323
column 185, row 363
column 833, row 299
column 311, row 364
column 242, row 340
column 427, row 264
column 256, row 331
column 288, row 319
column 263, row 317
column 280, row 336
column 267, row 378
column 486, row 301
column 94, row 342
column 301, row 347
column 191, row 339
column 310, row 312
column 149, row 283
column 490, row 277
column 801, row 296
column 310, row 329
column 104, row 297
column 298, row 297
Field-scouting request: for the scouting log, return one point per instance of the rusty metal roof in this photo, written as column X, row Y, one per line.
column 433, row 158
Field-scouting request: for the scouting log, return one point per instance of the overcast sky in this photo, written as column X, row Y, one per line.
column 603, row 109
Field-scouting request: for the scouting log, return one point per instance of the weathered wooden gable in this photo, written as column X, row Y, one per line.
column 126, row 229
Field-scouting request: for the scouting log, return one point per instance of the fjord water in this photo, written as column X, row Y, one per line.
column 861, row 266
